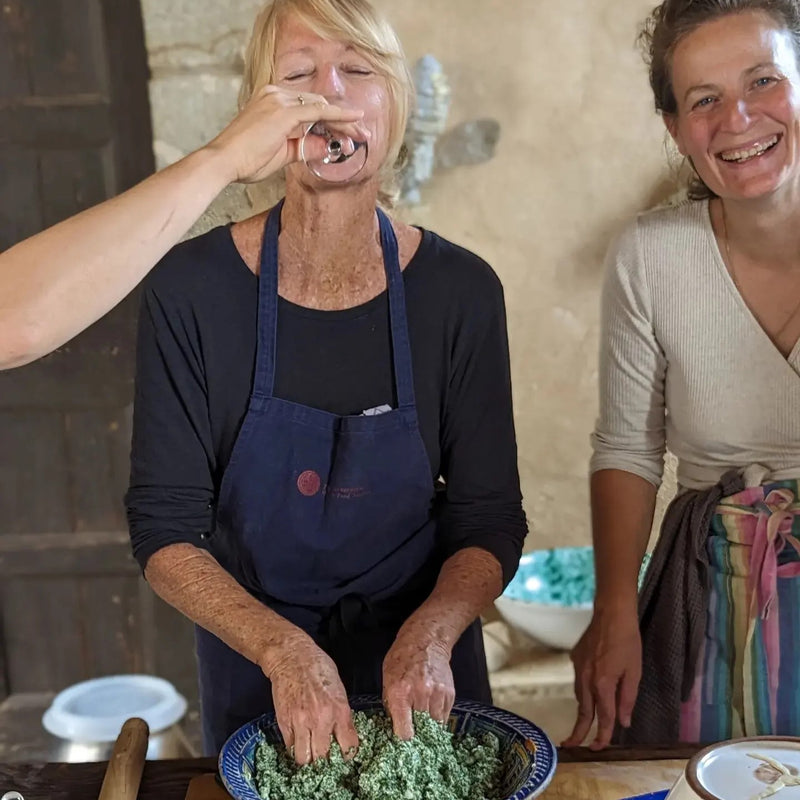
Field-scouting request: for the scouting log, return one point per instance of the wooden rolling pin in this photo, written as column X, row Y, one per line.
column 124, row 771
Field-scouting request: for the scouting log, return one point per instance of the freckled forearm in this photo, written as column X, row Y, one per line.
column 193, row 582
column 468, row 582
column 58, row 282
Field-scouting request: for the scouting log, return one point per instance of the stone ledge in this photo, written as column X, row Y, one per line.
column 541, row 672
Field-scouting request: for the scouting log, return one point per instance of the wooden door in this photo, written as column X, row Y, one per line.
column 74, row 130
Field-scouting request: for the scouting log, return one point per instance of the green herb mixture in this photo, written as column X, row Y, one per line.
column 434, row 765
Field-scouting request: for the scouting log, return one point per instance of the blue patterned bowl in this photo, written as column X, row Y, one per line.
column 529, row 756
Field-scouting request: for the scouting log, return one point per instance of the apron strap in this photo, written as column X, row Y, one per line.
column 401, row 343
column 264, row 380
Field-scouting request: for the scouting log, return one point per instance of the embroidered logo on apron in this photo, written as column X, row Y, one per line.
column 309, row 483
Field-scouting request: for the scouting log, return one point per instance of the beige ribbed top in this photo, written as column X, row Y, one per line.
column 685, row 364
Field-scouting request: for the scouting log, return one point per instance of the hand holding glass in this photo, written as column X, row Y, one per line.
column 332, row 156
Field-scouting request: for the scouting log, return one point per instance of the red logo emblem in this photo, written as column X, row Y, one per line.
column 309, row 483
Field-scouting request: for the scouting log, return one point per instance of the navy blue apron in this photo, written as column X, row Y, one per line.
column 329, row 520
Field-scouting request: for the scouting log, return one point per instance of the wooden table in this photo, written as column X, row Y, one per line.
column 616, row 773
column 581, row 775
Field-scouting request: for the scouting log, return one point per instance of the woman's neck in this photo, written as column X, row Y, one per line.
column 330, row 247
column 765, row 230
column 336, row 229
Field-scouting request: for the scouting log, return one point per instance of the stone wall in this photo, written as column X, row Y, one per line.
column 580, row 151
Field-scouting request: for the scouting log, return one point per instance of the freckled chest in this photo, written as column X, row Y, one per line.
column 331, row 283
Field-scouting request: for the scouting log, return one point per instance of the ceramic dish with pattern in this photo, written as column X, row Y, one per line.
column 753, row 768
column 529, row 757
column 551, row 595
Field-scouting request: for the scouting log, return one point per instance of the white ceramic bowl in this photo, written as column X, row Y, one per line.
column 551, row 596
column 555, row 626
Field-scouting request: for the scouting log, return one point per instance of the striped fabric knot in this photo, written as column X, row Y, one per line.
column 765, row 521
column 773, row 532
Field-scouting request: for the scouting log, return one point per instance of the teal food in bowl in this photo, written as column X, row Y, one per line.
column 551, row 595
column 527, row 758
column 561, row 577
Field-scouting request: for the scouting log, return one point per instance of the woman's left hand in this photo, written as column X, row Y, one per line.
column 417, row 677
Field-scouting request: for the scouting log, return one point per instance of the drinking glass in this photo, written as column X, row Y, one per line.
column 343, row 157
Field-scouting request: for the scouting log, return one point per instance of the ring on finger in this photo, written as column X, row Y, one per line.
column 301, row 100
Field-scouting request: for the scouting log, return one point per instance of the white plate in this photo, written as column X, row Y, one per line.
column 727, row 771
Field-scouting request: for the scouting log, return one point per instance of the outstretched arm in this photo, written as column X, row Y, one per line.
column 58, row 282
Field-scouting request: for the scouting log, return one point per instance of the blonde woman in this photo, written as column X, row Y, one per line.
column 305, row 378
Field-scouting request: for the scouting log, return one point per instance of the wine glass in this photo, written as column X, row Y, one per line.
column 331, row 155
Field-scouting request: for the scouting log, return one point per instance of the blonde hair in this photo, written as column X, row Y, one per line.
column 359, row 24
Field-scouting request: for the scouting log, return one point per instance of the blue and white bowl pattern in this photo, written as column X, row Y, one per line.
column 528, row 754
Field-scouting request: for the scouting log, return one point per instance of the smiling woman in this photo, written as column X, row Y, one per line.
column 740, row 132
column 701, row 353
column 753, row 66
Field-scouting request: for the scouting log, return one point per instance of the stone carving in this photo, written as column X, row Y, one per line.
column 428, row 145
column 426, row 124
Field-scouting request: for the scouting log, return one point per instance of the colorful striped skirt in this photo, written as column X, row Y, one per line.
column 747, row 678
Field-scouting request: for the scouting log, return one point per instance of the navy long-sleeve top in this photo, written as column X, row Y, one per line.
column 195, row 365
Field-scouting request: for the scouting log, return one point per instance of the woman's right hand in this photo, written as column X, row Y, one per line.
column 608, row 668
column 266, row 134
column 310, row 701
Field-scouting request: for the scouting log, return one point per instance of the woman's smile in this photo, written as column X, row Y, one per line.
column 737, row 88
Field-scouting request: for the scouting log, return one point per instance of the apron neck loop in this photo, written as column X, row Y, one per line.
column 401, row 344
column 264, row 382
